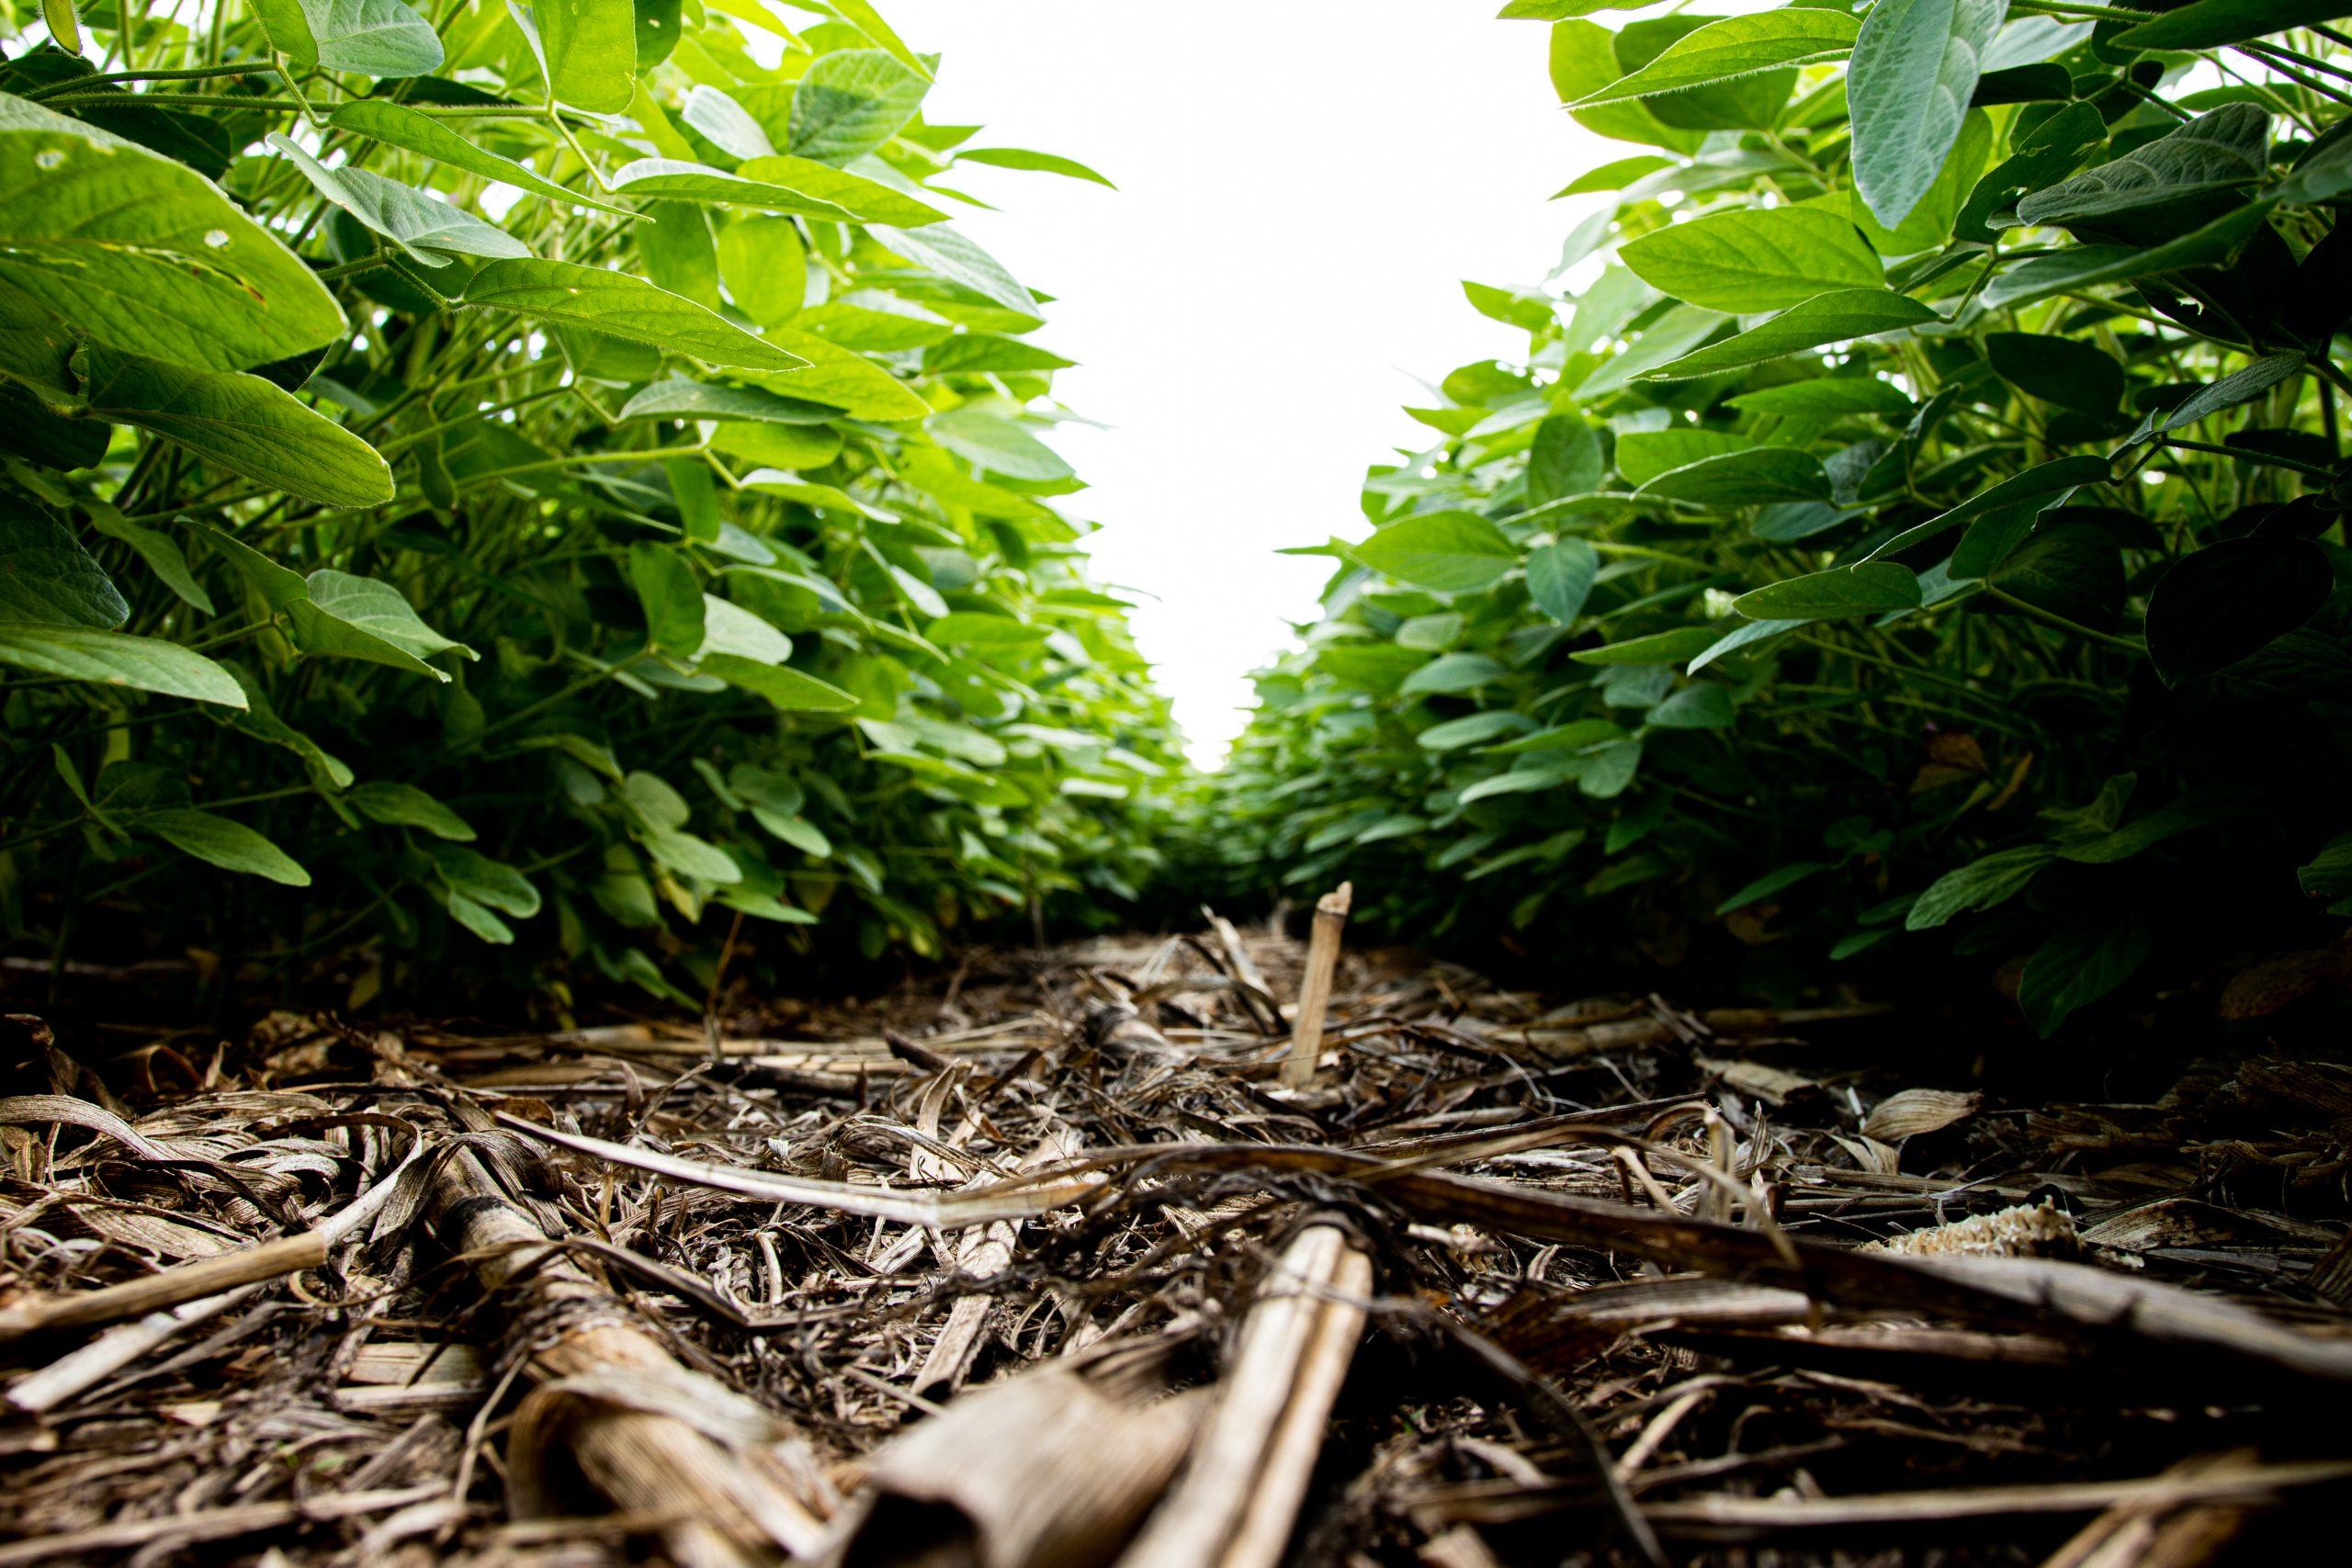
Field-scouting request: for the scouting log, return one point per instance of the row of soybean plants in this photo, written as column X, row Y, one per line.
column 1916, row 527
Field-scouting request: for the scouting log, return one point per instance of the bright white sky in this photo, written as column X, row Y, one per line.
column 1303, row 186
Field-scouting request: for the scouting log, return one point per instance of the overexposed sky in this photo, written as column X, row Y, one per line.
column 1303, row 186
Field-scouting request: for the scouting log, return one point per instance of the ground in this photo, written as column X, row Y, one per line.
column 1046, row 1259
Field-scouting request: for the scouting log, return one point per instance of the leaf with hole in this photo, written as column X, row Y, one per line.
column 140, row 251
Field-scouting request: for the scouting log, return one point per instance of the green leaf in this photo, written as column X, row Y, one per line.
column 1613, row 176
column 1929, row 225
column 681, row 398
column 1752, row 259
column 730, row 629
column 2232, row 598
column 1771, row 881
column 160, row 551
column 2073, row 570
column 2208, row 24
column 359, row 618
column 1562, row 459
column 1611, row 771
column 2329, row 874
column 230, row 845
column 2166, row 821
column 868, row 201
column 862, row 16
column 1457, row 733
column 587, row 49
column 1870, row 589
column 1732, row 48
column 690, row 856
column 64, row 26
column 674, row 180
column 405, row 806
column 2237, row 387
column 412, row 131
column 1642, row 455
column 136, row 249
column 1560, row 576
column 725, row 123
column 2079, row 268
column 1665, row 341
column 1658, row 648
column 2077, row 966
column 850, row 382
column 967, row 628
column 765, row 267
column 1736, row 639
column 947, row 254
column 1753, row 477
column 2043, row 486
column 2216, row 152
column 671, row 598
column 112, row 659
column 381, row 37
column 1452, row 552
column 1836, row 317
column 1450, row 674
column 2061, row 370
column 786, row 689
column 484, row 880
column 47, row 576
column 239, row 423
column 996, row 444
column 2047, row 152
column 626, row 307
column 1038, row 162
column 1693, row 707
column 1907, row 90
column 1826, row 397
column 850, row 102
column 414, row 222
column 1979, row 885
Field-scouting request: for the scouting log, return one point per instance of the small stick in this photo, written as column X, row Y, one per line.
column 1315, row 986
column 171, row 1288
column 117, row 1347
column 1237, row 1499
column 1258, row 1001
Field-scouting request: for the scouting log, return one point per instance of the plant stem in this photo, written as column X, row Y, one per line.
column 2242, row 455
column 2057, row 622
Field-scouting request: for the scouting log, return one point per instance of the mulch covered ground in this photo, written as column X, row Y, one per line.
column 1043, row 1263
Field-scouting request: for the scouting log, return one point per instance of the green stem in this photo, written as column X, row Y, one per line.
column 193, row 74
column 2057, row 622
column 183, row 100
column 2314, row 470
